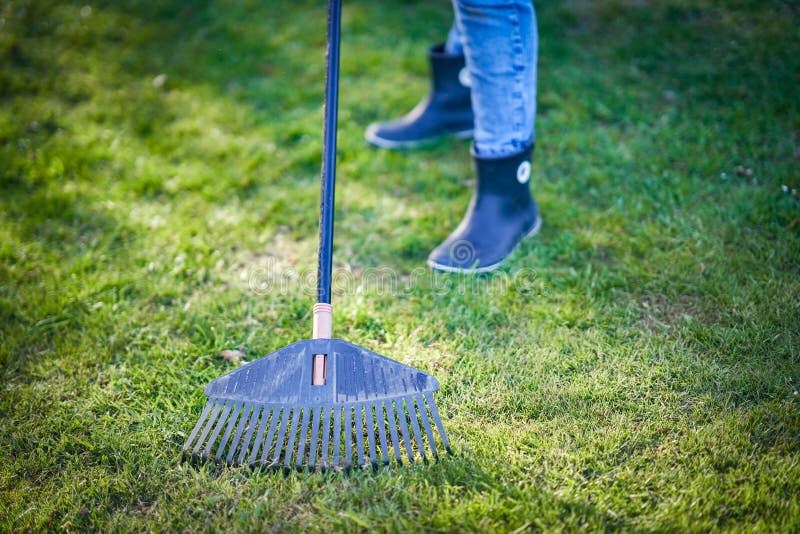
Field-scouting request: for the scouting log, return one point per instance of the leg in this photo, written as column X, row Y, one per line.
column 500, row 46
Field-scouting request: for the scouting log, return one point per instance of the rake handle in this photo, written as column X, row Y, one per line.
column 326, row 207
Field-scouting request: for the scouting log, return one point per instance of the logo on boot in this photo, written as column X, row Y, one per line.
column 462, row 252
column 524, row 172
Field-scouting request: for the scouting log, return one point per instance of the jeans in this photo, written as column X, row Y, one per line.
column 500, row 44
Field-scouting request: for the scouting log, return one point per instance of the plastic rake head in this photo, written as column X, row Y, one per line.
column 369, row 411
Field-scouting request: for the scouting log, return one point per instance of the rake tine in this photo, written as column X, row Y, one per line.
column 328, row 439
column 393, row 431
column 276, row 456
column 373, row 455
column 220, row 423
column 423, row 416
column 381, row 422
column 348, row 435
column 337, row 434
column 251, row 428
column 359, row 413
column 401, row 417
column 234, row 416
column 301, row 448
column 326, row 432
column 198, row 426
column 273, row 424
column 206, row 429
column 412, row 415
column 437, row 420
column 312, row 451
column 239, row 429
column 292, row 437
column 267, row 413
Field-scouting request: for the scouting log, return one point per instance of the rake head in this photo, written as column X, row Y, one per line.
column 369, row 410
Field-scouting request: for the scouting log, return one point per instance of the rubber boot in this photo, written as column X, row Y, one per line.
column 446, row 110
column 500, row 215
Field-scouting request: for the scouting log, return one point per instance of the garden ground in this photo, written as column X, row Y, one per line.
column 636, row 366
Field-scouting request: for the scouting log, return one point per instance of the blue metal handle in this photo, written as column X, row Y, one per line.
column 326, row 207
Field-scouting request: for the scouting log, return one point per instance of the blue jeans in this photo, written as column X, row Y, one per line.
column 500, row 44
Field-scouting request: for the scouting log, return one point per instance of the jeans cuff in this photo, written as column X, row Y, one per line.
column 500, row 150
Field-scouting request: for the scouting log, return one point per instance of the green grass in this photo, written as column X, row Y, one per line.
column 635, row 367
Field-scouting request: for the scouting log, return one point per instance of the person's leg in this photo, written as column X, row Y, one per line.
column 446, row 110
column 500, row 46
column 500, row 43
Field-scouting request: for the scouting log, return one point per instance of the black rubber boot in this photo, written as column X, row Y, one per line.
column 501, row 214
column 446, row 110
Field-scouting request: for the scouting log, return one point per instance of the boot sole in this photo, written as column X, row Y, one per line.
column 488, row 268
column 389, row 144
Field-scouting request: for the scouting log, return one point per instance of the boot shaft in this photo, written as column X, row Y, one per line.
column 504, row 176
column 446, row 76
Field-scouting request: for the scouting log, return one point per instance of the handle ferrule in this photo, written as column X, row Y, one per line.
column 323, row 321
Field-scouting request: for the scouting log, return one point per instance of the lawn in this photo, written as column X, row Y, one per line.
column 634, row 367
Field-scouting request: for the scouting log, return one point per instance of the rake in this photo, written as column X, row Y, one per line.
column 322, row 402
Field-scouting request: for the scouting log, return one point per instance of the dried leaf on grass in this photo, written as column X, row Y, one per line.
column 233, row 356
